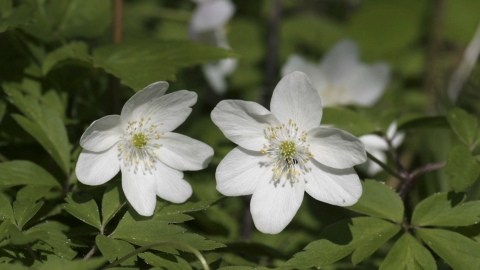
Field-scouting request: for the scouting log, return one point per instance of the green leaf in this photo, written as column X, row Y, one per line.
column 42, row 122
column 20, row 15
column 463, row 124
column 362, row 236
column 172, row 209
column 166, row 261
column 462, row 169
column 24, row 210
column 84, row 208
column 54, row 262
column 112, row 202
column 73, row 51
column 17, row 237
column 6, row 211
column 461, row 20
column 113, row 249
column 32, row 192
column 423, row 122
column 140, row 63
column 446, row 209
column 22, row 172
column 347, row 120
column 54, row 238
column 457, row 250
column 372, row 202
column 408, row 254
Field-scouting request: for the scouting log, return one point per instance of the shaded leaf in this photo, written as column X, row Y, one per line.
column 446, row 209
column 362, row 236
column 408, row 254
column 32, row 192
column 24, row 210
column 457, row 250
column 54, row 238
column 347, row 120
column 462, row 169
column 112, row 202
column 424, row 122
column 22, row 172
column 113, row 249
column 73, row 51
column 18, row 16
column 84, row 208
column 3, row 108
column 140, row 63
column 54, row 262
column 463, row 124
column 165, row 260
column 6, row 211
column 372, row 202
column 17, row 237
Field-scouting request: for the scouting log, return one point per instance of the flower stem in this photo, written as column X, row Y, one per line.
column 170, row 243
column 384, row 166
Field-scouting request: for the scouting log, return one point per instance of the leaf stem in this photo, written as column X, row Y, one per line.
column 168, row 243
column 90, row 253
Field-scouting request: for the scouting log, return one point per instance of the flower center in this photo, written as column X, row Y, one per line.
column 138, row 145
column 288, row 150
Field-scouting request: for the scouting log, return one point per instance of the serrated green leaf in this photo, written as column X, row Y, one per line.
column 408, row 254
column 84, row 208
column 372, row 202
column 114, row 249
column 462, row 169
column 362, row 236
column 32, row 192
column 15, row 17
column 140, row 63
column 423, row 122
column 73, row 51
column 112, row 202
column 6, row 211
column 22, row 172
column 463, row 124
column 172, row 209
column 54, row 238
column 446, row 209
column 174, row 218
column 4, row 227
column 165, row 260
column 457, row 250
column 347, row 120
column 24, row 210
column 42, row 122
column 17, row 237
column 54, row 262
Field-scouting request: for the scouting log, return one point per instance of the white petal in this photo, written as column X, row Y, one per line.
column 296, row 98
column 367, row 83
column 140, row 190
column 169, row 111
column 398, row 139
column 370, row 167
column 102, row 134
column 170, row 184
column 243, row 122
column 211, row 14
column 313, row 71
column 273, row 207
column 339, row 62
column 240, row 171
column 335, row 148
column 183, row 153
column 96, row 168
column 142, row 97
column 340, row 187
column 373, row 142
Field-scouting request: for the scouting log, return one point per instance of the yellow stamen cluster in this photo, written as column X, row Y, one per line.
column 288, row 150
column 138, row 145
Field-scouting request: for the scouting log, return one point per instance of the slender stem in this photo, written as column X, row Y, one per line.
column 90, row 253
column 117, row 31
column 170, row 243
column 428, row 168
column 384, row 166
column 401, row 170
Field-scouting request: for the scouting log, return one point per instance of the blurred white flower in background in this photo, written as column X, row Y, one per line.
column 340, row 78
column 139, row 142
column 377, row 146
column 207, row 26
column 284, row 152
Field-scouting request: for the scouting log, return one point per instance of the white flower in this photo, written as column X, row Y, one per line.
column 139, row 142
column 377, row 146
column 340, row 78
column 207, row 26
column 285, row 152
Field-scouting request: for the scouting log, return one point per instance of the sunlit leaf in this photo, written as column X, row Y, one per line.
column 22, row 172
column 457, row 250
column 446, row 209
column 24, row 210
column 462, row 168
column 463, row 124
column 6, row 211
column 408, row 254
column 362, row 236
column 372, row 202
column 84, row 208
